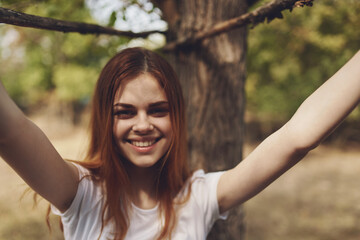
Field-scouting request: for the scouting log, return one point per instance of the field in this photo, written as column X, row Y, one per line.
column 316, row 200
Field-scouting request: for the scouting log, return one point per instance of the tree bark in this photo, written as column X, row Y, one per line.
column 212, row 73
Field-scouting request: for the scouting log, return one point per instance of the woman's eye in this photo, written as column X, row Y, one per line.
column 159, row 112
column 124, row 114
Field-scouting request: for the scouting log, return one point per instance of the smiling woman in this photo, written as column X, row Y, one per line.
column 143, row 146
column 135, row 182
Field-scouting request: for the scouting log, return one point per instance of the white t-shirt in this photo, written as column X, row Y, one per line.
column 82, row 221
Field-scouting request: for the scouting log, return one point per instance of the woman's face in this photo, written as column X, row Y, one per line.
column 142, row 126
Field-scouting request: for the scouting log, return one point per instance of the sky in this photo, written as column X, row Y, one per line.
column 134, row 18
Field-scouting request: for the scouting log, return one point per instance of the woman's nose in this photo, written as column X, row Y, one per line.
column 143, row 125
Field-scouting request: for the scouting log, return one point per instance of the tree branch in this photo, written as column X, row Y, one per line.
column 26, row 20
column 269, row 11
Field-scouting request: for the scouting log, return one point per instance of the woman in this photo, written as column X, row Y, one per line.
column 135, row 182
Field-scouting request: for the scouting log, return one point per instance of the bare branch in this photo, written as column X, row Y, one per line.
column 269, row 11
column 26, row 20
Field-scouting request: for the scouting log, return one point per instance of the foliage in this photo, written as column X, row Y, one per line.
column 74, row 82
column 37, row 63
column 289, row 58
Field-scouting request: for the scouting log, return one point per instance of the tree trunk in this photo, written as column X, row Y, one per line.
column 212, row 74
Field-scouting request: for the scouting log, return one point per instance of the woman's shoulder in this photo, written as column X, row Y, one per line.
column 89, row 192
column 202, row 184
column 83, row 171
column 199, row 176
column 201, row 206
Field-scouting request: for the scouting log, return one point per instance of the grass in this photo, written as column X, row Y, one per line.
column 19, row 219
column 316, row 200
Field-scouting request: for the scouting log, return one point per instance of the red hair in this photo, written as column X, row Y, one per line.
column 103, row 158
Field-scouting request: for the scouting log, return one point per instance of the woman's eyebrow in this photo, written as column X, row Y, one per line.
column 159, row 104
column 124, row 105
column 155, row 104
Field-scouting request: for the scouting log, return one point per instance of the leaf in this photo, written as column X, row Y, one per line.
column 112, row 19
column 273, row 16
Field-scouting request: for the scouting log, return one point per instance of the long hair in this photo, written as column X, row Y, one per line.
column 104, row 160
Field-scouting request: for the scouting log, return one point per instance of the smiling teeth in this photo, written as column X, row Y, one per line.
column 142, row 144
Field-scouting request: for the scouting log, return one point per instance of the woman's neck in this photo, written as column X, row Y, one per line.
column 143, row 186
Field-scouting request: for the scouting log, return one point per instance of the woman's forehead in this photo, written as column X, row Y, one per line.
column 143, row 88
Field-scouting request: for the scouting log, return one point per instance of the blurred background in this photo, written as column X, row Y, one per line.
column 51, row 75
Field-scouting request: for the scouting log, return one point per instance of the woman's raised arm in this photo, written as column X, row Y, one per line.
column 316, row 118
column 29, row 152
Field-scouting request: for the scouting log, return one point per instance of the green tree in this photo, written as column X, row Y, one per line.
column 289, row 59
column 38, row 63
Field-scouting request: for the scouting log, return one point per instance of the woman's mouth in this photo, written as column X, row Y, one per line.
column 143, row 143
